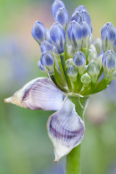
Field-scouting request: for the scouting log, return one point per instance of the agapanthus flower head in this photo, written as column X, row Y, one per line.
column 73, row 73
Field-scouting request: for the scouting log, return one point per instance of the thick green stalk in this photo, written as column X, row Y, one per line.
column 73, row 160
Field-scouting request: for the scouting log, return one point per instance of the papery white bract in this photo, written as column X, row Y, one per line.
column 65, row 129
column 39, row 93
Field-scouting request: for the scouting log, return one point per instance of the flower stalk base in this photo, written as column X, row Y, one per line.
column 73, row 159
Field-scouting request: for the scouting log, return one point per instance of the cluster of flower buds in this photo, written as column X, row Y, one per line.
column 74, row 64
column 76, row 67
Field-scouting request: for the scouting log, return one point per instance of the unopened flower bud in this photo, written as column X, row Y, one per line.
column 98, row 45
column 108, row 35
column 41, row 67
column 86, row 33
column 46, row 46
column 80, row 61
column 76, row 16
column 85, row 79
column 70, row 51
column 80, row 8
column 57, row 35
column 47, row 61
column 92, row 53
column 82, row 16
column 75, row 35
column 93, row 70
column 72, row 73
column 109, row 63
column 99, row 60
column 38, row 32
column 69, row 62
column 62, row 17
column 56, row 5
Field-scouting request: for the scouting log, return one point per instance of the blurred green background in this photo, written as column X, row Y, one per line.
column 24, row 145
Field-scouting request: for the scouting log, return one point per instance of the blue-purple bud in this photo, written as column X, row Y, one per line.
column 62, row 17
column 75, row 35
column 76, row 16
column 40, row 66
column 82, row 16
column 57, row 35
column 80, row 8
column 46, row 46
column 80, row 61
column 56, row 5
column 108, row 35
column 86, row 33
column 109, row 63
column 47, row 61
column 38, row 32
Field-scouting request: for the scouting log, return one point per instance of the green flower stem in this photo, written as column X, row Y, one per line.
column 73, row 160
column 75, row 86
column 101, row 71
column 79, row 83
column 66, row 57
column 62, row 58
